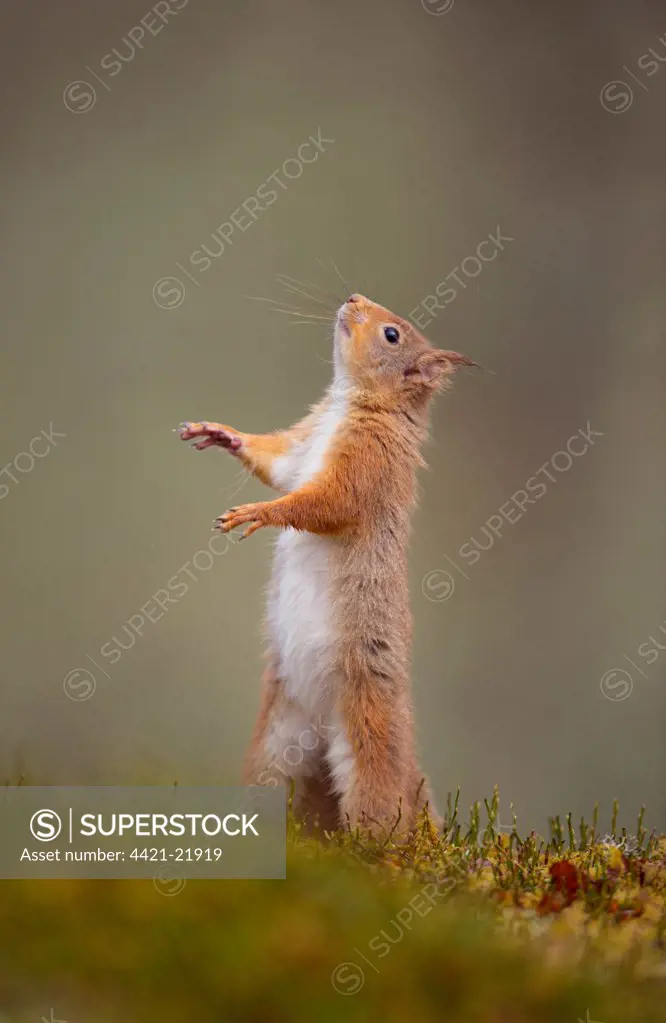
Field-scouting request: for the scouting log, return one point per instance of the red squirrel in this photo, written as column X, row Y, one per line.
column 338, row 622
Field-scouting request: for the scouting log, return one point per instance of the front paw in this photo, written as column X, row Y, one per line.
column 256, row 514
column 214, row 436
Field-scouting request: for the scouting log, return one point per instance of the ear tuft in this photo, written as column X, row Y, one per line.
column 431, row 366
column 426, row 369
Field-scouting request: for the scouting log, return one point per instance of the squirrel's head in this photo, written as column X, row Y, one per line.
column 379, row 351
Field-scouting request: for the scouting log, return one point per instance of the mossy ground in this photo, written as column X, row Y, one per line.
column 474, row 924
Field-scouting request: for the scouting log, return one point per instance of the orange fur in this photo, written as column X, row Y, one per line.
column 361, row 497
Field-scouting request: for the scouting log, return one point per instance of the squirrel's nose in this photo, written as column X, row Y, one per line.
column 354, row 298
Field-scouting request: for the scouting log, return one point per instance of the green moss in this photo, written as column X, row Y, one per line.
column 473, row 926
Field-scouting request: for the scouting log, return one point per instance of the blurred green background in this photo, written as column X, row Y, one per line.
column 445, row 127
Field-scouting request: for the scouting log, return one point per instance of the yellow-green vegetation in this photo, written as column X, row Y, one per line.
column 473, row 924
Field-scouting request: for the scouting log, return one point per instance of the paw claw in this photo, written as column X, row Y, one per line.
column 252, row 515
column 212, row 433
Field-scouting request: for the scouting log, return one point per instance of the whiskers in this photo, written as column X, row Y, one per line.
column 326, row 303
column 347, row 287
column 238, row 482
column 307, row 317
column 290, row 284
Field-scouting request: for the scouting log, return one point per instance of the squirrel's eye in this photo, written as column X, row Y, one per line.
column 392, row 335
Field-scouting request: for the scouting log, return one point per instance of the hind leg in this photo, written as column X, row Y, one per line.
column 257, row 763
column 318, row 803
column 372, row 757
column 387, row 801
column 286, row 747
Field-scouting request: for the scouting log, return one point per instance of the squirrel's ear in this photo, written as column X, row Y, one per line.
column 433, row 365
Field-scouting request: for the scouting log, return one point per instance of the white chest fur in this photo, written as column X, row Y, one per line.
column 300, row 612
